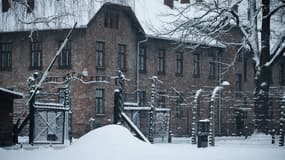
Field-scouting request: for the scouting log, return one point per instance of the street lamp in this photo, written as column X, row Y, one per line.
column 212, row 115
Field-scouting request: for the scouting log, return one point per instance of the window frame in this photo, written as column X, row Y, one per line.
column 179, row 63
column 212, row 66
column 6, row 54
column 179, row 109
column 36, row 49
column 245, row 68
column 100, row 102
column 142, row 59
column 100, row 52
column 161, row 62
column 161, row 100
column 238, row 84
column 142, row 103
column 64, row 60
column 282, row 74
column 196, row 65
column 142, row 98
column 122, row 57
column 111, row 19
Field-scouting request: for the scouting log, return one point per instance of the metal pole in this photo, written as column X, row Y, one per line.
column 212, row 124
column 32, row 120
column 212, row 114
column 152, row 110
column 195, row 116
column 121, row 92
column 282, row 119
column 220, row 94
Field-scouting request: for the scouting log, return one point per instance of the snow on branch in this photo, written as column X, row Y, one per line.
column 277, row 51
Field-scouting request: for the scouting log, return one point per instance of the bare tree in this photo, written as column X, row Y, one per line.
column 259, row 30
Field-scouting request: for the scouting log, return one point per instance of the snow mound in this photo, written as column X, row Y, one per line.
column 108, row 135
column 108, row 142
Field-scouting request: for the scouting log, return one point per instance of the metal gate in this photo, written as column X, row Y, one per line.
column 50, row 123
column 161, row 125
column 51, row 117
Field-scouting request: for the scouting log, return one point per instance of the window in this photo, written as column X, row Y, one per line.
column 100, row 108
column 65, row 56
column 142, row 59
column 161, row 61
column 212, row 66
column 5, row 56
column 245, row 68
column 270, row 108
column 36, row 55
column 238, row 85
column 179, row 109
column 100, row 49
column 122, row 57
column 282, row 74
column 196, row 65
column 142, row 98
column 179, row 63
column 161, row 99
column 111, row 20
column 142, row 103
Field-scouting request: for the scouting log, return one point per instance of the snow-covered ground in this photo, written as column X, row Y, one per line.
column 116, row 142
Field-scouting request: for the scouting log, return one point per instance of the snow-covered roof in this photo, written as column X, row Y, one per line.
column 52, row 14
column 157, row 19
column 12, row 93
column 152, row 15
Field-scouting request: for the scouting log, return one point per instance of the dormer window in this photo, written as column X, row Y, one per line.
column 111, row 20
column 169, row 3
column 185, row 1
column 29, row 5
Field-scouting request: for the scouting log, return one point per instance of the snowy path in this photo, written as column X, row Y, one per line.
column 116, row 142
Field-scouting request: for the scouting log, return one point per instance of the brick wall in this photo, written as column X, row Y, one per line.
column 84, row 57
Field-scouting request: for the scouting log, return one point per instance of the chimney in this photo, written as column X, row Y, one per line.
column 5, row 5
column 31, row 5
column 185, row 1
column 169, row 3
column 235, row 7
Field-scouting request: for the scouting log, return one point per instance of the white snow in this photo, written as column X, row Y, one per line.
column 153, row 15
column 130, row 122
column 130, row 103
column 116, row 142
column 204, row 120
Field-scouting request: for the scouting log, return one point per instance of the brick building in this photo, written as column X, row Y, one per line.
column 6, row 111
column 115, row 36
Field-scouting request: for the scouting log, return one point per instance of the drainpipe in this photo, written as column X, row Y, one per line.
column 137, row 63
